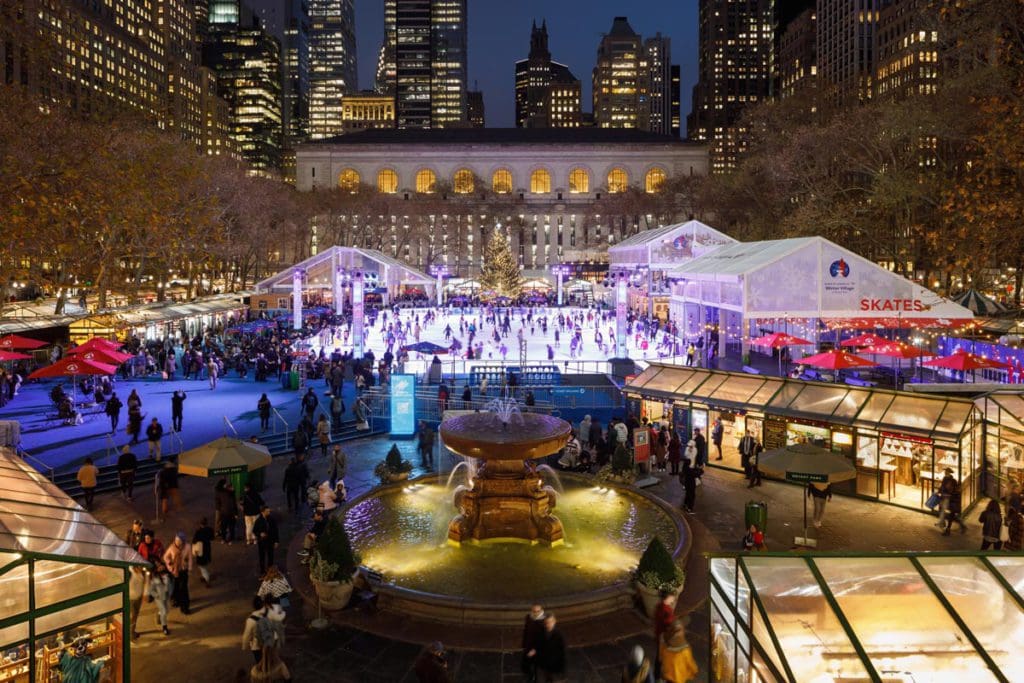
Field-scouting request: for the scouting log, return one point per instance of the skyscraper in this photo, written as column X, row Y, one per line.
column 735, row 48
column 423, row 61
column 846, row 48
column 247, row 62
column 797, row 63
column 906, row 50
column 632, row 81
column 332, row 64
column 475, row 108
column 547, row 93
column 676, row 97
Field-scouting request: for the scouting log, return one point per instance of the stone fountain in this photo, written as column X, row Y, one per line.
column 507, row 500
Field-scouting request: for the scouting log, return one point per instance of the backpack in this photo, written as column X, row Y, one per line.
column 265, row 633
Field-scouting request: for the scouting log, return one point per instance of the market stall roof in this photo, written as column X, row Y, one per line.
column 1004, row 408
column 928, row 415
column 811, row 277
column 807, row 616
column 667, row 246
column 38, row 518
column 979, row 303
column 319, row 268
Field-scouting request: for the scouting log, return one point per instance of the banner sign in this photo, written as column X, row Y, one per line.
column 641, row 445
column 806, row 478
column 357, row 317
column 621, row 304
column 403, row 405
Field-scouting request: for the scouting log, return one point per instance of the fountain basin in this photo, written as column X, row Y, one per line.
column 526, row 437
column 399, row 530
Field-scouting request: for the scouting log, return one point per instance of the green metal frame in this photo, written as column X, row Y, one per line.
column 34, row 612
column 809, row 559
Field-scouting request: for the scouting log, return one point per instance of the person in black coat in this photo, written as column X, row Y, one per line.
column 551, row 653
column 177, row 408
column 533, row 636
column 227, row 510
column 113, row 411
column 267, row 538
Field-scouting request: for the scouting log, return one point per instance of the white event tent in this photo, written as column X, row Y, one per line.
column 799, row 285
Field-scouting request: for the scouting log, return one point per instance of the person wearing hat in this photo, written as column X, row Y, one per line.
column 178, row 558
column 76, row 666
column 432, row 665
column 127, row 464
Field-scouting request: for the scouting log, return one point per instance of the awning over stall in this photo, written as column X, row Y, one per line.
column 927, row 415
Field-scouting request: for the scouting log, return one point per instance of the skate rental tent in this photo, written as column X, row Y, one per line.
column 805, row 286
column 647, row 256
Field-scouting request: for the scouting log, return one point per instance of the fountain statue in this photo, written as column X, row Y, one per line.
column 506, row 500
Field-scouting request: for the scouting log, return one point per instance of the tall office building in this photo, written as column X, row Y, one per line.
column 475, row 108
column 183, row 108
column 547, row 93
column 797, row 62
column 247, row 61
column 846, row 48
column 735, row 46
column 423, row 62
column 906, row 51
column 632, row 81
column 675, row 93
column 332, row 64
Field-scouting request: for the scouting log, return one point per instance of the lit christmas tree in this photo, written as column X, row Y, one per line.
column 501, row 273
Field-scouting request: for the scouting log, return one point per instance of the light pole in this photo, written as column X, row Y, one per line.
column 621, row 283
column 357, row 314
column 297, row 275
column 560, row 272
column 439, row 271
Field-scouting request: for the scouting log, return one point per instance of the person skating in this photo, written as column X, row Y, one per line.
column 154, row 433
column 533, row 635
column 113, row 411
column 177, row 409
column 127, row 465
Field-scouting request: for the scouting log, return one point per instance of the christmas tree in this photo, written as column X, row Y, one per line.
column 501, row 273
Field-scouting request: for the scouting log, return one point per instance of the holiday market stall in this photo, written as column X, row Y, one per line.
column 63, row 584
column 805, row 286
column 884, row 617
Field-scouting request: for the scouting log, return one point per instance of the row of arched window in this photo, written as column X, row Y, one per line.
column 464, row 181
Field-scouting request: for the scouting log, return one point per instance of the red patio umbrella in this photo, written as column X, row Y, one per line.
column 836, row 360
column 108, row 356
column 894, row 350
column 777, row 340
column 97, row 343
column 865, row 340
column 72, row 367
column 962, row 361
column 13, row 341
column 13, row 355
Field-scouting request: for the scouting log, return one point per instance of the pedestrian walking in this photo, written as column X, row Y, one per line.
column 264, row 628
column 678, row 664
column 639, row 668
column 425, row 444
column 154, row 432
column 177, row 409
column 127, row 465
column 211, row 372
column 688, row 477
column 226, row 511
column 323, row 435
column 87, row 474
column 113, row 411
column 133, row 537
column 265, row 530
column 165, row 484
column 1014, row 530
column 252, row 503
column 339, row 465
column 337, row 407
column 747, row 447
column 263, row 407
column 294, row 482
column 134, row 423
column 273, row 584
column 533, row 636
column 136, row 592
column 717, row 431
column 946, row 487
column 310, row 402
column 820, row 494
column 954, row 510
column 431, row 666
column 159, row 589
column 202, row 549
column 991, row 521
column 179, row 561
column 551, row 661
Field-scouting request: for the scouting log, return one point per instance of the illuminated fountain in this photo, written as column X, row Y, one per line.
column 507, row 499
column 505, row 548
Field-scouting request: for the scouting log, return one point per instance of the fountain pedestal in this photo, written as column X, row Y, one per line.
column 507, row 502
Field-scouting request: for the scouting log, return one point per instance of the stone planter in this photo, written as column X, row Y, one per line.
column 651, row 596
column 333, row 595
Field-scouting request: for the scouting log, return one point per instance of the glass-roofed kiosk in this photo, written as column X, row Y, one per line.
column 889, row 618
column 901, row 443
column 63, row 581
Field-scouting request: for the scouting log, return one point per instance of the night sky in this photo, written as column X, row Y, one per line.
column 499, row 34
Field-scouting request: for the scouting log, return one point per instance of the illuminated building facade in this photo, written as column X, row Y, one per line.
column 658, row 58
column 475, row 108
column 246, row 60
column 554, row 190
column 423, row 61
column 676, row 96
column 846, row 48
column 735, row 47
column 547, row 93
column 798, row 55
column 365, row 110
column 215, row 134
column 332, row 64
column 907, row 51
column 183, row 110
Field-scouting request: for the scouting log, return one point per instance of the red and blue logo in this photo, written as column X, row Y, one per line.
column 839, row 268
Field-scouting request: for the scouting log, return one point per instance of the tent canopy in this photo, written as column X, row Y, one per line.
column 811, row 277
column 667, row 246
column 319, row 269
column 979, row 304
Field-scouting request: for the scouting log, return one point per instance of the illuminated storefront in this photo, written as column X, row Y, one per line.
column 63, row 580
column 901, row 443
column 826, row 619
column 1004, row 441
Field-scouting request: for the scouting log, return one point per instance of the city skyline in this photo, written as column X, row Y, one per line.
column 499, row 36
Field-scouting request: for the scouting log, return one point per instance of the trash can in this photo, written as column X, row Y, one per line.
column 756, row 512
column 294, row 379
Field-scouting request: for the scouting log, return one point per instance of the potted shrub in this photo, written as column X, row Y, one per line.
column 393, row 467
column 620, row 470
column 334, row 566
column 656, row 572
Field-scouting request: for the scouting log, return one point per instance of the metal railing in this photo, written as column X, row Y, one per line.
column 229, row 425
column 41, row 466
column 175, row 439
column 276, row 415
column 111, row 449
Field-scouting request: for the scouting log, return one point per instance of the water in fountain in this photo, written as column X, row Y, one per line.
column 506, row 409
column 469, row 474
column 553, row 477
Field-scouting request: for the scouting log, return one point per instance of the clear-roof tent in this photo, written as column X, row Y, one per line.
column 37, row 518
column 929, row 415
column 667, row 246
column 319, row 270
column 899, row 617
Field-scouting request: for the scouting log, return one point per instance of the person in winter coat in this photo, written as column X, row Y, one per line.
column 113, row 411
column 310, row 402
column 227, row 511
column 991, row 523
column 677, row 661
column 551, row 659
column 1015, row 530
column 954, row 509
column 717, row 431
column 675, row 452
column 263, row 407
column 323, row 435
column 639, row 668
column 159, row 589
column 177, row 409
column 584, row 432
column 688, row 477
column 533, row 635
column 179, row 560
column 252, row 503
column 594, row 435
column 252, row 640
column 204, row 537
column 339, row 465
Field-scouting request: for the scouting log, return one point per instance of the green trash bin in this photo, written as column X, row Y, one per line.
column 756, row 512
column 294, row 380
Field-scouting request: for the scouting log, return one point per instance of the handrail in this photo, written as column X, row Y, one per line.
column 279, row 416
column 41, row 466
column 111, row 449
column 176, row 438
column 227, row 423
